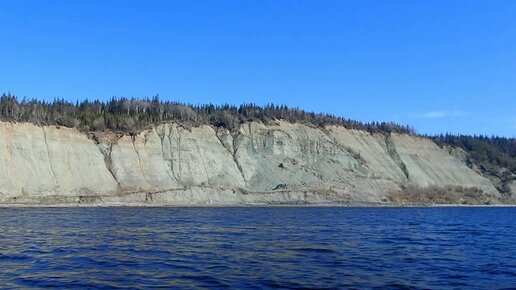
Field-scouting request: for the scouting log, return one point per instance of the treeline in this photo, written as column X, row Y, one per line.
column 131, row 115
column 489, row 152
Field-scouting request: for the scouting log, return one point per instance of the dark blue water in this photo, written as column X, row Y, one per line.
column 258, row 247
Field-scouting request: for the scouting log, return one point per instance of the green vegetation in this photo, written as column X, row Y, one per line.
column 131, row 115
column 486, row 151
column 495, row 157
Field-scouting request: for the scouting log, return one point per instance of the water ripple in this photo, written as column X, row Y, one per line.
column 301, row 248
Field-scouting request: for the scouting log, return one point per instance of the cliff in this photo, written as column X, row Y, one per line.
column 277, row 163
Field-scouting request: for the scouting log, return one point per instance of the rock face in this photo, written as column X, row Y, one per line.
column 260, row 164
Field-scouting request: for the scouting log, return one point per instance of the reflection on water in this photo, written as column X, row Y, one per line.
column 258, row 247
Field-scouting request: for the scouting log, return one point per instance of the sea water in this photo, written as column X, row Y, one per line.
column 258, row 247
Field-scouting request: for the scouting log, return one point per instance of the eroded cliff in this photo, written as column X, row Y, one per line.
column 260, row 164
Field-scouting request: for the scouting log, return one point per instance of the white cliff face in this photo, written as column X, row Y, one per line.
column 297, row 157
column 168, row 164
column 42, row 161
column 25, row 163
column 171, row 157
column 428, row 164
column 77, row 165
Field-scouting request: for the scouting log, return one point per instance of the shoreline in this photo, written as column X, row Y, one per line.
column 314, row 205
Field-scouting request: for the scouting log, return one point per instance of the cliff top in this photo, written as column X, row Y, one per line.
column 132, row 115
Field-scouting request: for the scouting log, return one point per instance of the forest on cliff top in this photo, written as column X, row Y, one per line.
column 130, row 115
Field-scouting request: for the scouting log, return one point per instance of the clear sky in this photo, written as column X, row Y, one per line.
column 440, row 66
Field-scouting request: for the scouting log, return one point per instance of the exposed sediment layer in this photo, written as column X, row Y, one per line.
column 279, row 163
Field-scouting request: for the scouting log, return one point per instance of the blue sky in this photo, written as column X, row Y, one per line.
column 440, row 66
